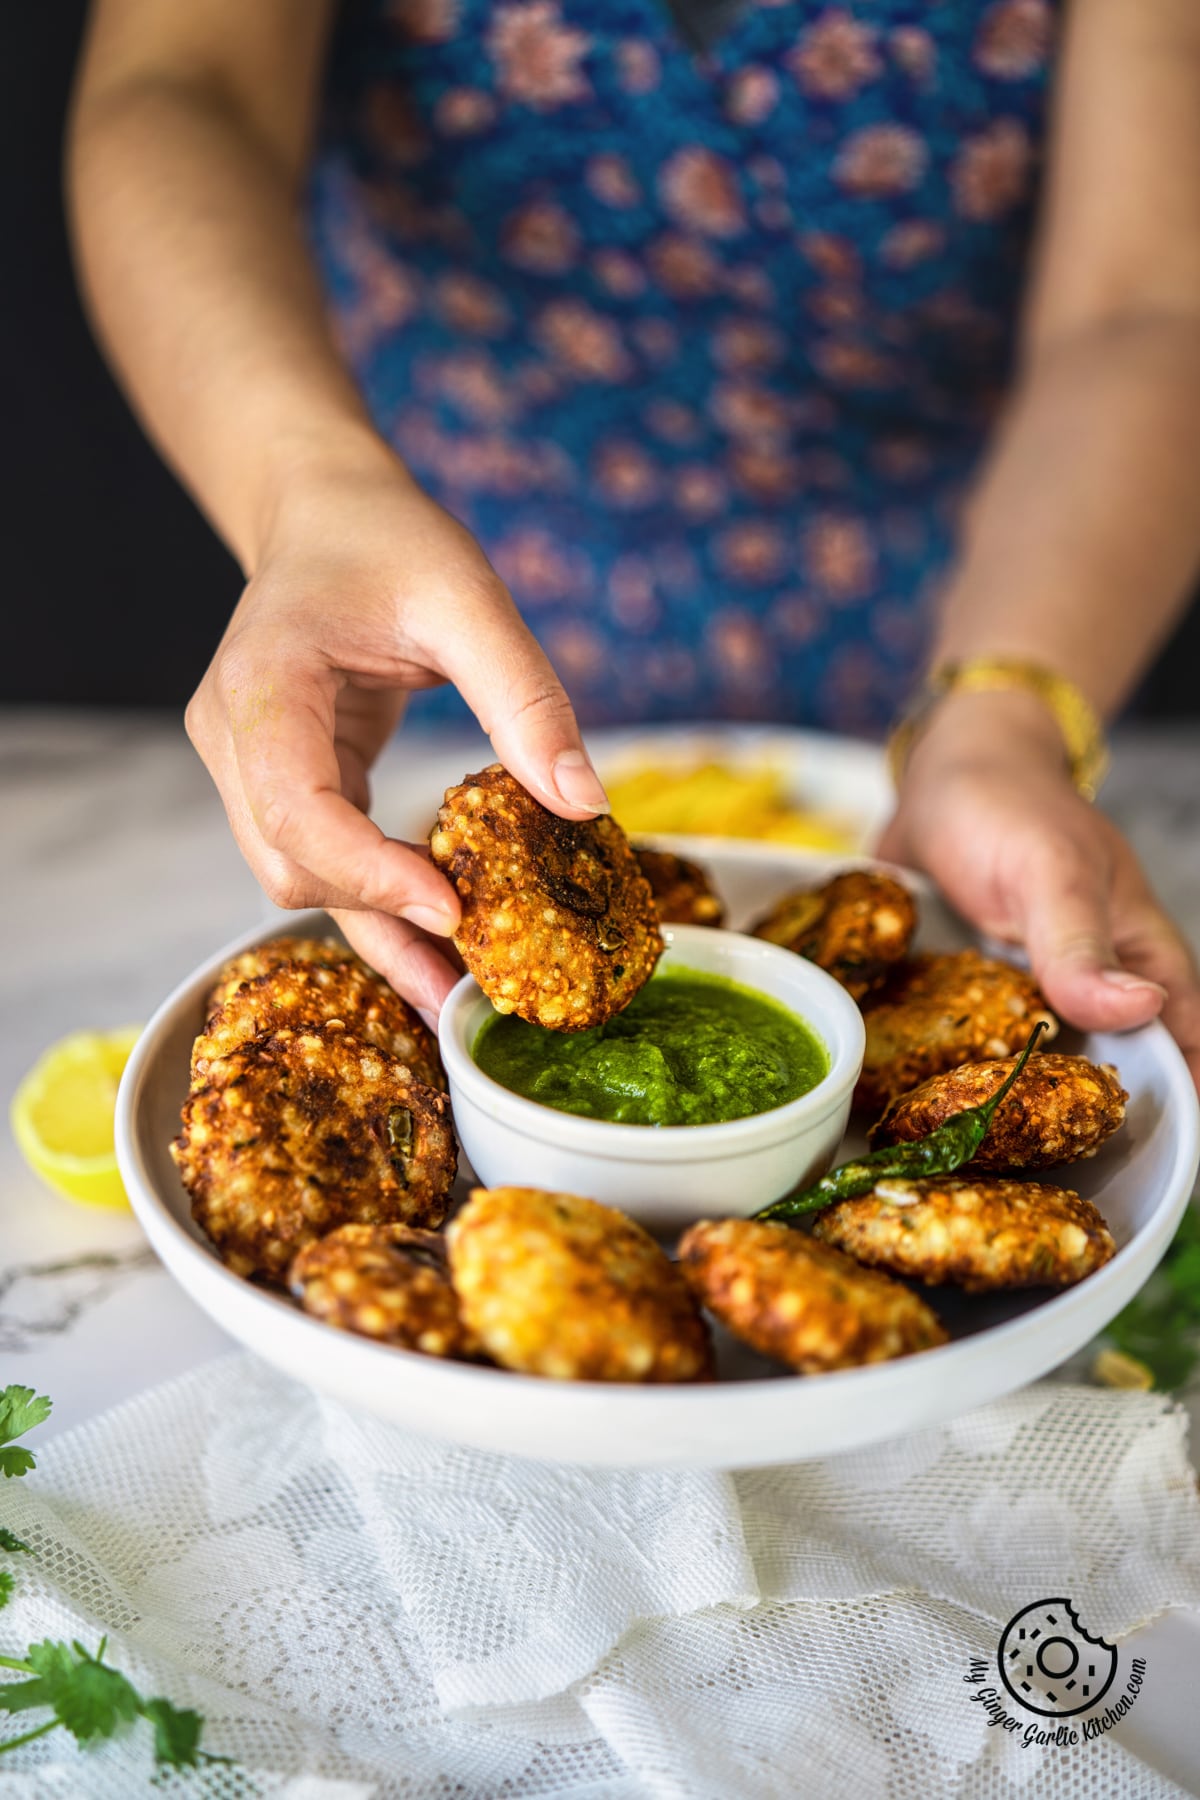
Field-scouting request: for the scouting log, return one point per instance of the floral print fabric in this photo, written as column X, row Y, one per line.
column 701, row 348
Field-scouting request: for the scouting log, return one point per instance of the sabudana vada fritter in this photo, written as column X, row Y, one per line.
column 1060, row 1111
column 559, row 1286
column 682, row 892
column 936, row 1012
column 294, row 994
column 325, row 952
column 302, row 1131
column 979, row 1234
column 803, row 1303
column 856, row 927
column 388, row 1282
column 558, row 922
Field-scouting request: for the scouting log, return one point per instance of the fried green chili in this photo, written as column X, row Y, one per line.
column 400, row 1141
column 940, row 1153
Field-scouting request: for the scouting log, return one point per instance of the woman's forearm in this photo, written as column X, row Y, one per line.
column 1083, row 536
column 184, row 220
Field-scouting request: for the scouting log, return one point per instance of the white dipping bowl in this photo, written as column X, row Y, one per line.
column 666, row 1175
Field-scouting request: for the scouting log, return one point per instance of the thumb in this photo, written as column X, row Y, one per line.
column 892, row 843
column 507, row 681
column 1065, row 907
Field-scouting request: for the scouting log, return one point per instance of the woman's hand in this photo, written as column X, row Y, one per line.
column 367, row 591
column 987, row 809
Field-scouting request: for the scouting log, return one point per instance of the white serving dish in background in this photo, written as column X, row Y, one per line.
column 666, row 1176
column 755, row 1414
column 840, row 777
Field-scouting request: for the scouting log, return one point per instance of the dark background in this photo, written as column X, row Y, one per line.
column 115, row 591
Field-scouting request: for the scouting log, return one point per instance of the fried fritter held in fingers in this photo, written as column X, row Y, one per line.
column 309, row 993
column 558, row 921
column 328, row 953
column 978, row 1234
column 303, row 1131
column 803, row 1303
column 683, row 894
column 564, row 1287
column 1060, row 1111
column 939, row 1011
column 856, row 927
column 387, row 1282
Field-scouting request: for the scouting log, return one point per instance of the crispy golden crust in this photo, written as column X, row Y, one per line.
column 558, row 1286
column 558, row 921
column 306, row 993
column 682, row 892
column 388, row 1282
column 297, row 1133
column 803, row 1303
column 1061, row 1110
column 326, row 952
column 856, row 927
column 936, row 1012
column 978, row 1234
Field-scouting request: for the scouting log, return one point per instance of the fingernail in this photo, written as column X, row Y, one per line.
column 431, row 918
column 1132, row 984
column 430, row 1018
column 578, row 783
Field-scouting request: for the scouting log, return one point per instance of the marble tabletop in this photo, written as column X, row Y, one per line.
column 122, row 876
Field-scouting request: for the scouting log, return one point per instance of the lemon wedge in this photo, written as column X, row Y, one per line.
column 62, row 1115
column 1115, row 1369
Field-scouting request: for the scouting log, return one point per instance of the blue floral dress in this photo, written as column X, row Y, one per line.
column 702, row 347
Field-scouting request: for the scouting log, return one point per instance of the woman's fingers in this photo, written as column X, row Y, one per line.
column 422, row 971
column 289, row 773
column 511, row 688
column 1018, row 853
column 414, row 965
column 285, row 882
column 1152, row 948
column 1161, row 955
column 1064, row 903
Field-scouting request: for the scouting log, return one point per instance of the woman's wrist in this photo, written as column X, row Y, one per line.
column 307, row 470
column 1009, row 726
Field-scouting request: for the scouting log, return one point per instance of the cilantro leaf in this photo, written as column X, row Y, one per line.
column 95, row 1699
column 92, row 1700
column 22, row 1696
column 83, row 1693
column 78, row 1688
column 20, row 1410
column 176, row 1733
column 1161, row 1325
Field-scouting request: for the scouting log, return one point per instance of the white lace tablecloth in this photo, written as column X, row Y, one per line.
column 358, row 1612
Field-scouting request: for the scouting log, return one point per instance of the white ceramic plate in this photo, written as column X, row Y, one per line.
column 754, row 1415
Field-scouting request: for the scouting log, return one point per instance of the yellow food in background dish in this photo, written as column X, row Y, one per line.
column 62, row 1115
column 715, row 800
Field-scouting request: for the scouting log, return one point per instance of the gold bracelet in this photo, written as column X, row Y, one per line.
column 1073, row 713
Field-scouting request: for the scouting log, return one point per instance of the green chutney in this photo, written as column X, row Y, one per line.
column 689, row 1049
